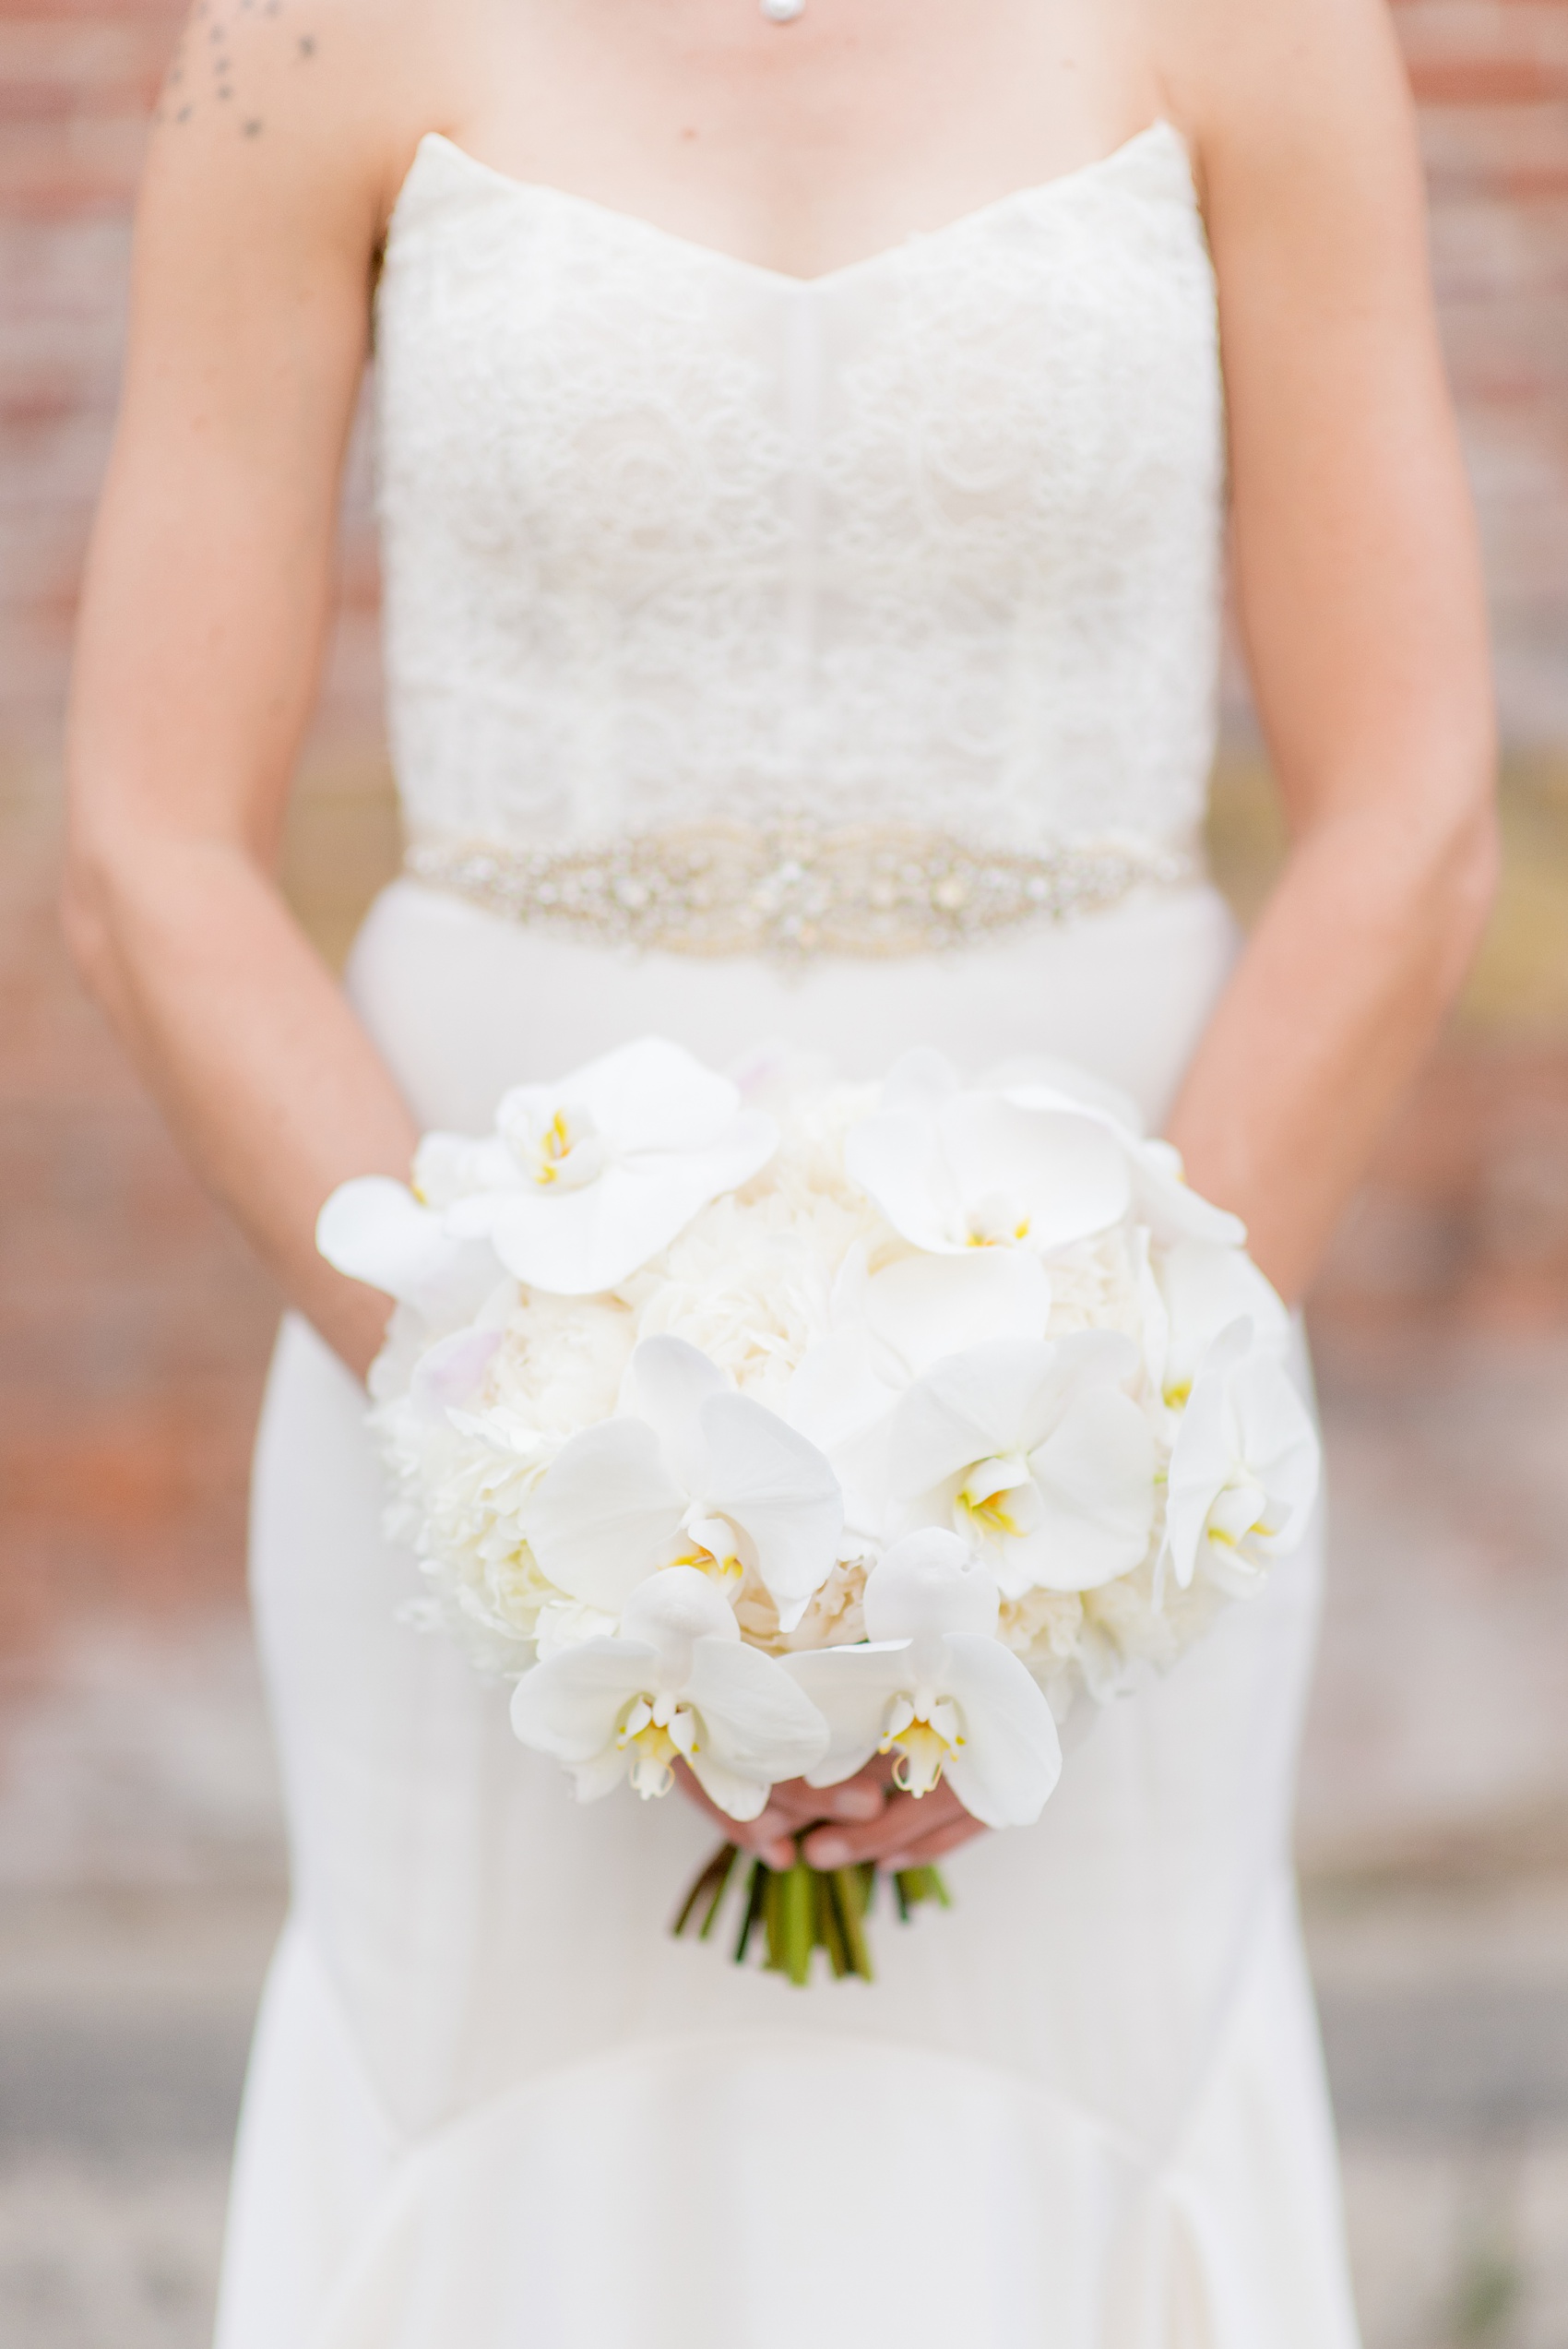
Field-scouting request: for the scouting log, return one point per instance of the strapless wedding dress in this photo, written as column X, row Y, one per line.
column 679, row 547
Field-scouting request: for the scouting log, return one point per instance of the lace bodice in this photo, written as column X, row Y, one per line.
column 671, row 538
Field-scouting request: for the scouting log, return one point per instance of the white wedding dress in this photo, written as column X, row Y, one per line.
column 672, row 540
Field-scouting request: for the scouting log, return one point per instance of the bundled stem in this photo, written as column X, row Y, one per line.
column 800, row 1909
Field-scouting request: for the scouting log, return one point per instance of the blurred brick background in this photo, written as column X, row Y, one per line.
column 139, row 1861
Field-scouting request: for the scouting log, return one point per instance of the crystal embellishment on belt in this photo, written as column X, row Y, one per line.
column 793, row 889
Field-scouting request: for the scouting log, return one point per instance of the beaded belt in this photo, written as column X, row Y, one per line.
column 794, row 890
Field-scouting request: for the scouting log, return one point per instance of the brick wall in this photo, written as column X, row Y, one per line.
column 78, row 77
column 78, row 80
column 1491, row 76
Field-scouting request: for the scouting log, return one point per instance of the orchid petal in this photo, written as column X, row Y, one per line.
column 600, row 1774
column 1007, row 1767
column 1036, row 1080
column 730, row 1791
column 1205, row 1288
column 672, row 1610
column 924, row 1307
column 1162, row 1200
column 991, row 1399
column 567, row 1708
column 653, row 1095
column 447, row 1167
column 849, row 1688
column 1244, row 1424
column 895, row 1157
column 760, row 1723
column 780, row 1491
column 837, row 1401
column 929, row 1583
column 576, row 1242
column 375, row 1230
column 1278, row 1441
column 1064, row 1168
column 604, row 1513
column 451, row 1372
column 835, row 1393
column 673, row 1380
column 1094, row 1476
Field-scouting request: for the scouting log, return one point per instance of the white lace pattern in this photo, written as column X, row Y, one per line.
column 671, row 540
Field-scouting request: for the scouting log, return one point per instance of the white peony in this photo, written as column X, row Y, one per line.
column 747, row 1284
column 560, row 1363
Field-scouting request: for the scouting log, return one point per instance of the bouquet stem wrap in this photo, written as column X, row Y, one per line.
column 802, row 1909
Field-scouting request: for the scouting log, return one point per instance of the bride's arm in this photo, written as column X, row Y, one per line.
column 206, row 606
column 1361, row 603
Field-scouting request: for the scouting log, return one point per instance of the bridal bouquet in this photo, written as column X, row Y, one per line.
column 765, row 1426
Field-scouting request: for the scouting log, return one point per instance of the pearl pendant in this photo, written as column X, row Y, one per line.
column 782, row 12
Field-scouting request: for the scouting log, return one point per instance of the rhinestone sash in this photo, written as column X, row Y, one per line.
column 794, row 890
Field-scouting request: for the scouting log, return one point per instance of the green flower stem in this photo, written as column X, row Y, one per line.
column 800, row 1909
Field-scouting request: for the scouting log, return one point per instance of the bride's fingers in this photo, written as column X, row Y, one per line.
column 857, row 1798
column 905, row 1819
column 922, row 1851
column 790, row 1806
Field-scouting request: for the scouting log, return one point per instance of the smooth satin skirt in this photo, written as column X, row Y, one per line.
column 494, row 2105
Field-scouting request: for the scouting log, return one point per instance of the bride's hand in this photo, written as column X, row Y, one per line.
column 864, row 1818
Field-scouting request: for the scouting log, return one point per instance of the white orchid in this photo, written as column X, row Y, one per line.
column 581, row 1182
column 1159, row 1196
column 375, row 1230
column 1200, row 1289
column 1245, row 1466
column 703, row 1477
column 1035, row 1452
column 934, row 1685
column 592, row 1175
column 889, row 1327
column 676, row 1683
column 953, row 1170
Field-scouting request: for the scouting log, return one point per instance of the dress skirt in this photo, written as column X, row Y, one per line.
column 493, row 2106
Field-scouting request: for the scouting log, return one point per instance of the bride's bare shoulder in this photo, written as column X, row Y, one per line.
column 1279, row 90
column 325, row 97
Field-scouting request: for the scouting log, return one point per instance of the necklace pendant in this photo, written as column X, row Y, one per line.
column 782, row 12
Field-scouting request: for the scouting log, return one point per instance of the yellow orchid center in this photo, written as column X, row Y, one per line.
column 656, row 1730
column 1239, row 1512
column 987, row 1495
column 997, row 1222
column 998, row 1236
column 988, row 1511
column 925, row 1733
column 717, row 1570
column 708, row 1542
column 552, row 1148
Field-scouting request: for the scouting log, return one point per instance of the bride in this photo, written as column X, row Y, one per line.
column 807, row 419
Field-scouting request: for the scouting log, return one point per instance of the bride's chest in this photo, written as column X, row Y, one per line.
column 557, row 375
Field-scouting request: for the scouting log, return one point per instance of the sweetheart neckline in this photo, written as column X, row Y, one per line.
column 1161, row 127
